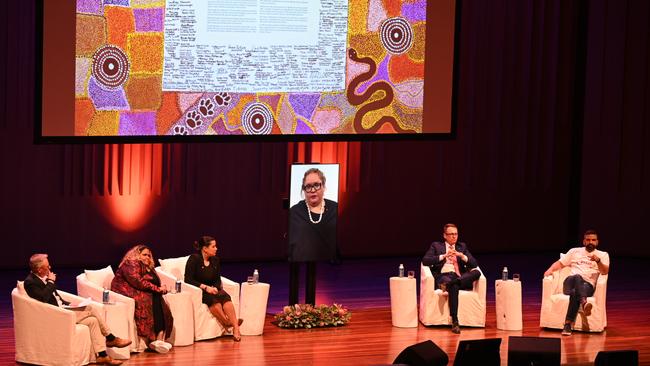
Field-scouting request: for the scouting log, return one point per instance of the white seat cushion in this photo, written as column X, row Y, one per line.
column 101, row 277
column 174, row 266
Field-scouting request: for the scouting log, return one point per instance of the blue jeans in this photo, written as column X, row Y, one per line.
column 577, row 289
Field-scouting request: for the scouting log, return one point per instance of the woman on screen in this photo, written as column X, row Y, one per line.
column 312, row 233
column 137, row 279
column 203, row 270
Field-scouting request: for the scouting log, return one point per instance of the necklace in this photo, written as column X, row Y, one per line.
column 320, row 217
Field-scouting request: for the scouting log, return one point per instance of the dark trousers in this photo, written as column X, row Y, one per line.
column 455, row 284
column 310, row 283
column 577, row 289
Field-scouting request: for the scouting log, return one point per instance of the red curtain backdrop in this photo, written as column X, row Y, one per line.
column 552, row 138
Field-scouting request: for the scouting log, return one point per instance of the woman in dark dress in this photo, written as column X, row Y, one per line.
column 137, row 279
column 203, row 270
column 312, row 234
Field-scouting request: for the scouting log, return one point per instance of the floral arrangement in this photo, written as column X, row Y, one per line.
column 308, row 316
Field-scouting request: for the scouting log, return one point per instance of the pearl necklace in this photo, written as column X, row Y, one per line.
column 320, row 217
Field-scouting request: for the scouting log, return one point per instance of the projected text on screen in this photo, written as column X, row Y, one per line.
column 253, row 46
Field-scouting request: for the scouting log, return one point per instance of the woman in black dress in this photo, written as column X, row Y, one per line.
column 203, row 270
column 312, row 234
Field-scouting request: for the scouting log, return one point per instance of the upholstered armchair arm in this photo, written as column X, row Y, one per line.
column 86, row 288
column 232, row 288
column 480, row 286
column 43, row 326
column 600, row 293
column 549, row 284
column 427, row 281
column 75, row 299
column 167, row 279
column 547, row 287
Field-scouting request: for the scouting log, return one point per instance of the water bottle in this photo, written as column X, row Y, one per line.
column 105, row 296
column 504, row 274
column 401, row 270
column 256, row 276
column 178, row 286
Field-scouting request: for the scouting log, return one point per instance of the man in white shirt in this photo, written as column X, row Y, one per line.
column 586, row 263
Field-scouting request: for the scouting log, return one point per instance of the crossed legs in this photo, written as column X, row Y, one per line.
column 225, row 314
column 578, row 290
column 452, row 283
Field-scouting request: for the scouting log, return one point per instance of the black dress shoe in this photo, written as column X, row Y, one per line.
column 443, row 287
column 455, row 328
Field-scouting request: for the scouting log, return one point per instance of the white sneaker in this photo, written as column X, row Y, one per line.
column 167, row 345
column 159, row 346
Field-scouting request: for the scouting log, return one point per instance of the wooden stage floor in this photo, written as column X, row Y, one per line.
column 369, row 339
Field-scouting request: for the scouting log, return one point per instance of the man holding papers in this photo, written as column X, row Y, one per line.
column 40, row 285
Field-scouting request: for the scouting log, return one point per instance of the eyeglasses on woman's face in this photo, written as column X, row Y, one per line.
column 311, row 188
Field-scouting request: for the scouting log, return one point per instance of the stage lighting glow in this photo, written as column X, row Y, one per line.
column 127, row 212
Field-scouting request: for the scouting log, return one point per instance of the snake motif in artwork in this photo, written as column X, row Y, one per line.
column 358, row 99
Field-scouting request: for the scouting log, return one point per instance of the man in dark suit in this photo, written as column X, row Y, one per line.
column 453, row 267
column 40, row 285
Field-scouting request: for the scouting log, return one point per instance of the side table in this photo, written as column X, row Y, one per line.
column 508, row 304
column 403, row 302
column 252, row 307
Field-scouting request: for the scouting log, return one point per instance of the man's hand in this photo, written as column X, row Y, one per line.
column 594, row 258
column 453, row 253
column 51, row 276
column 548, row 273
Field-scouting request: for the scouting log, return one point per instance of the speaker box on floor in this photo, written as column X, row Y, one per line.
column 533, row 351
column 424, row 353
column 617, row 358
column 483, row 352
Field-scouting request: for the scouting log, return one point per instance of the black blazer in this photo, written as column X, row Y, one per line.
column 40, row 291
column 432, row 258
column 193, row 268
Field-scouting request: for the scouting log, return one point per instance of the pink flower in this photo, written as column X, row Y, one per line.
column 286, row 309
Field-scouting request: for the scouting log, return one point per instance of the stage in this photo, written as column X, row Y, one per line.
column 362, row 286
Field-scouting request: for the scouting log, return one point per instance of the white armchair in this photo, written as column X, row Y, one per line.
column 555, row 304
column 206, row 325
column 119, row 318
column 49, row 335
column 434, row 308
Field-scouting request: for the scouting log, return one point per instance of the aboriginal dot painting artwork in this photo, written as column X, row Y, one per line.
column 263, row 67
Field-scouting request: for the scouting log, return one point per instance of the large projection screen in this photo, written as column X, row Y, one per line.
column 182, row 70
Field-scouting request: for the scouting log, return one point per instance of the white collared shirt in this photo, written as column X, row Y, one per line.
column 449, row 265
